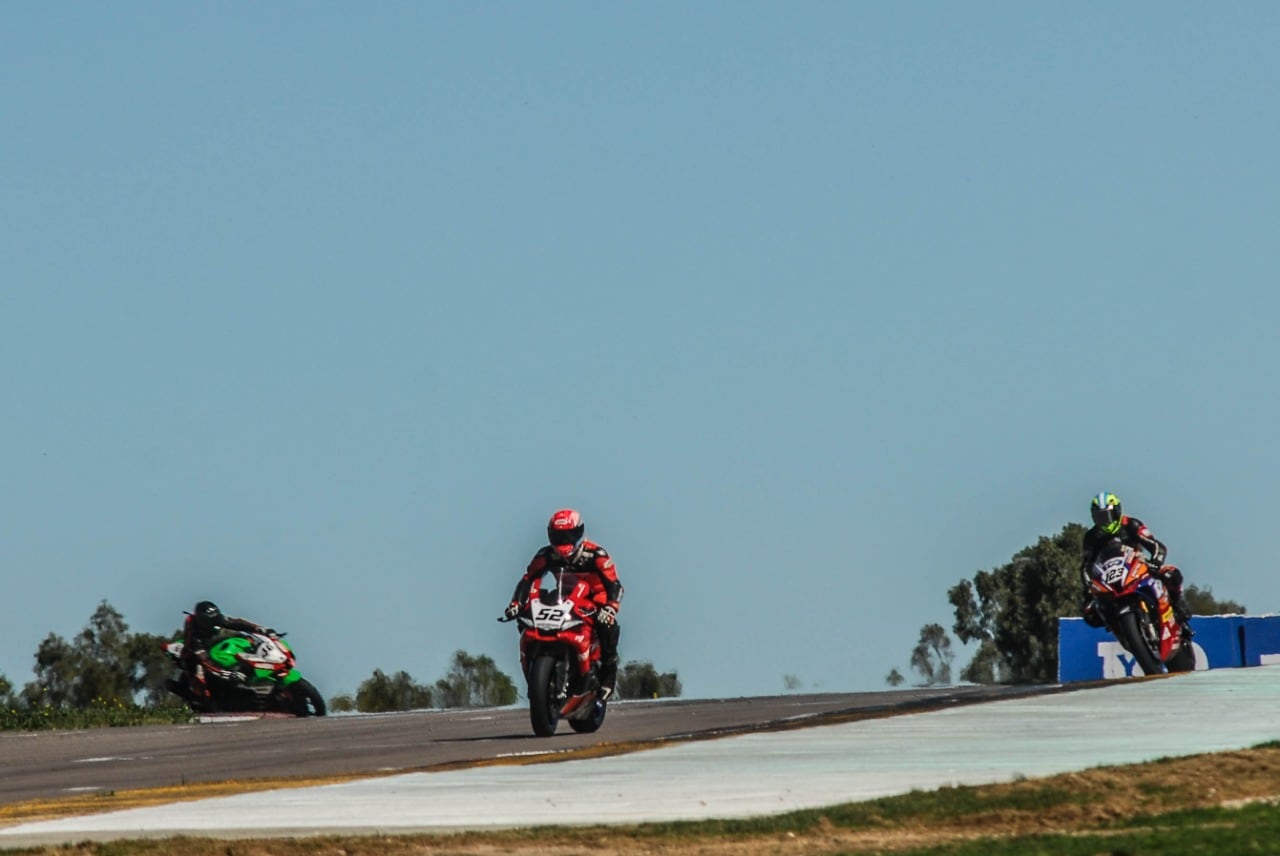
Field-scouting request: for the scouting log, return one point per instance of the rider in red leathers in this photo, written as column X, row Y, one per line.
column 568, row 548
column 1110, row 523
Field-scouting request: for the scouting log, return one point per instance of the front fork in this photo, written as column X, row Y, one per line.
column 563, row 676
column 564, row 679
column 1148, row 624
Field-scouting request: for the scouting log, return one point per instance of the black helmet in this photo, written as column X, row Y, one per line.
column 208, row 618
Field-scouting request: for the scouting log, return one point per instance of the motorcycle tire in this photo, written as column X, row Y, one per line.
column 307, row 700
column 1130, row 635
column 592, row 723
column 544, row 702
column 1184, row 660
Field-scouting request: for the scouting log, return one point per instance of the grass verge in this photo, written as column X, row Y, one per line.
column 99, row 714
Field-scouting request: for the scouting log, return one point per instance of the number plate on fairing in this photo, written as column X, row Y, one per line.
column 269, row 652
column 552, row 618
column 1114, row 571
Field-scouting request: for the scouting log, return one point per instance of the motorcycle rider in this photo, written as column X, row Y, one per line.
column 205, row 625
column 568, row 549
column 1111, row 524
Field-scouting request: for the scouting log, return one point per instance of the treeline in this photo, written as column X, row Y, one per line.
column 108, row 675
column 1011, row 613
column 471, row 682
column 105, row 675
column 477, row 682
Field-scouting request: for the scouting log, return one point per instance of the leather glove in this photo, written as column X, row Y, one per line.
column 607, row 615
column 512, row 610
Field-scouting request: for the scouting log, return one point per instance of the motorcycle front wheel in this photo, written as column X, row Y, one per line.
column 1129, row 632
column 544, row 696
column 307, row 700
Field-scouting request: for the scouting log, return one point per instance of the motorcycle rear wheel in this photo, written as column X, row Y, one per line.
column 544, row 696
column 593, row 722
column 1130, row 635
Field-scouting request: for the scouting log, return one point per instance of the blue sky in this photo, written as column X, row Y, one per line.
column 812, row 310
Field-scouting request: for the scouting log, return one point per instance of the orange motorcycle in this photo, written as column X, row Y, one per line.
column 1134, row 603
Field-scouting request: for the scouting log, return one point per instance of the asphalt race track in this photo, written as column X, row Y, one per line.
column 771, row 755
column 840, row 749
column 54, row 764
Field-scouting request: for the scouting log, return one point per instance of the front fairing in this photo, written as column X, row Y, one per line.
column 270, row 659
column 1117, row 575
column 560, row 613
column 1123, row 583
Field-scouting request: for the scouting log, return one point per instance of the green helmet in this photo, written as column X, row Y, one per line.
column 1106, row 512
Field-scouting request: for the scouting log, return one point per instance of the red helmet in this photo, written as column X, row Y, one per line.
column 565, row 532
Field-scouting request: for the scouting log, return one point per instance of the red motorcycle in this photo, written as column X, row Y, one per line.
column 1134, row 603
column 560, row 654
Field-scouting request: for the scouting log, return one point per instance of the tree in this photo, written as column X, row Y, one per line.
column 151, row 667
column 894, row 678
column 379, row 694
column 641, row 680
column 1202, row 602
column 474, row 682
column 790, row 683
column 104, row 663
column 932, row 655
column 1012, row 611
column 342, row 703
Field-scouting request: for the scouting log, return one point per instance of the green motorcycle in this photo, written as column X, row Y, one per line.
column 250, row 672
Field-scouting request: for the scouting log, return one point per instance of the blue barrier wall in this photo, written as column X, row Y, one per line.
column 1221, row 641
column 1261, row 640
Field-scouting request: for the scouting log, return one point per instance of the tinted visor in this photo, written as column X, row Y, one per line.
column 1106, row 518
column 565, row 537
column 207, row 624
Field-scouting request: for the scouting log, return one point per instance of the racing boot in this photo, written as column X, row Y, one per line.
column 1091, row 615
column 178, row 688
column 608, row 678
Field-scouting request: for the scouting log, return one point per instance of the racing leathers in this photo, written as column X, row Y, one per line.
column 195, row 648
column 596, row 565
column 1133, row 533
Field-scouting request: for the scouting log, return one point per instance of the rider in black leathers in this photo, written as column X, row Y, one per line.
column 1111, row 524
column 205, row 625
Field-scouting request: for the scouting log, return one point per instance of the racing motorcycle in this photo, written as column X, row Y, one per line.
column 560, row 654
column 1134, row 603
column 271, row 681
